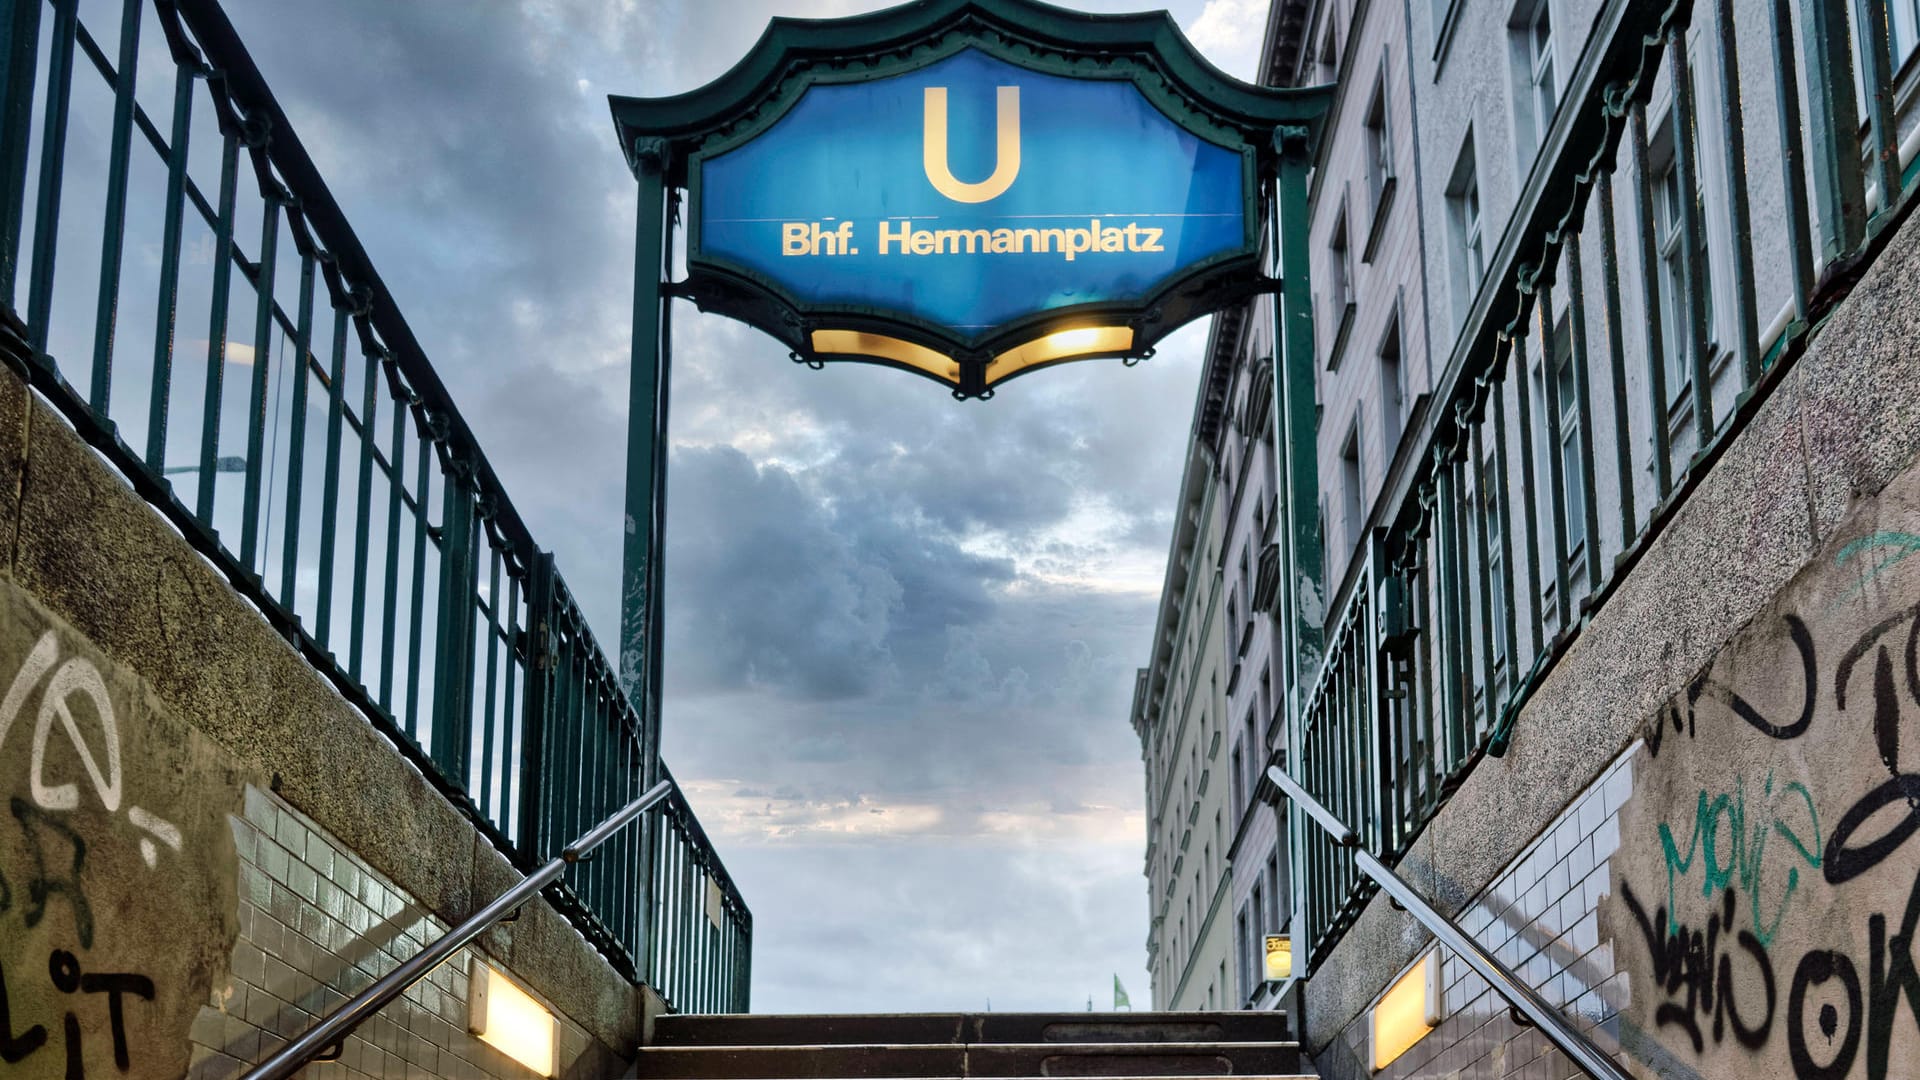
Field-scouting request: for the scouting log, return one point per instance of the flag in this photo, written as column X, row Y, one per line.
column 1120, row 996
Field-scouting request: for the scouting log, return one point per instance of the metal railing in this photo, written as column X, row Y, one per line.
column 251, row 376
column 1502, row 979
column 334, row 1028
column 1620, row 339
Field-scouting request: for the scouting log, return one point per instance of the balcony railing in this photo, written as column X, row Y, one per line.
column 256, row 384
column 1562, row 433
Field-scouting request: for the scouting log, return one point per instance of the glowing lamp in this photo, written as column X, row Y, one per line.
column 1070, row 344
column 508, row 1019
column 900, row 351
column 1279, row 957
column 1407, row 1011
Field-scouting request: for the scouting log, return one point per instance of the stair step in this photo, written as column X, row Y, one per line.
column 854, row 1061
column 754, row 1029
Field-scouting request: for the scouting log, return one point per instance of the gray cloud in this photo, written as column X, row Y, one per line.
column 901, row 629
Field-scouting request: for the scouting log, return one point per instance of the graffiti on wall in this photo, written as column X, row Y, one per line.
column 116, row 893
column 1766, row 894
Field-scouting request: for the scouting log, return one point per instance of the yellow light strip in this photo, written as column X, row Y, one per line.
column 859, row 343
column 1407, row 1011
column 1060, row 345
column 508, row 1019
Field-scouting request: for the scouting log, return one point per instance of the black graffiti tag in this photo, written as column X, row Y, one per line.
column 1844, row 859
column 42, row 885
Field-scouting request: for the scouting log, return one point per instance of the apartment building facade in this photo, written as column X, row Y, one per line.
column 1179, row 714
column 1609, row 337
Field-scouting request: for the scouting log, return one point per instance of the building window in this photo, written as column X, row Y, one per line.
column 1668, row 240
column 1463, row 221
column 1533, row 53
column 1326, row 66
column 1379, row 142
column 1339, row 286
column 1903, row 28
column 1393, row 390
column 1351, row 493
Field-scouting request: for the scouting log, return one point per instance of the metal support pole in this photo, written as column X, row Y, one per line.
column 640, row 579
column 1296, row 441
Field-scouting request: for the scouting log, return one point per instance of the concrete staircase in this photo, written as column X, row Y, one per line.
column 751, row 1047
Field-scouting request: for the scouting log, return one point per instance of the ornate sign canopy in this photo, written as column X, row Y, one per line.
column 969, row 189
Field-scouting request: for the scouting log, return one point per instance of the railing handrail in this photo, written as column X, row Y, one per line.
column 337, row 1025
column 1499, row 976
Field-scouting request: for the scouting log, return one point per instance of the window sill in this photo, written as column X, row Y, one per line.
column 1443, row 36
column 1380, row 207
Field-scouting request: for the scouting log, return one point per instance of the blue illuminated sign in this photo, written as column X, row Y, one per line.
column 968, row 194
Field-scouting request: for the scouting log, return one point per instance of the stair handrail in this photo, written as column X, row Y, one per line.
column 1545, row 1018
column 337, row 1025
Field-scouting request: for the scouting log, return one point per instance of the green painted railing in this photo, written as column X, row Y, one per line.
column 1572, row 416
column 218, row 333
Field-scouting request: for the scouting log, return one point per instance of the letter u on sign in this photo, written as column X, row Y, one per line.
column 1006, row 161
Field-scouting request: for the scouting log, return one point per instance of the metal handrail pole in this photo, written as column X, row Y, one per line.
column 337, row 1025
column 1499, row 976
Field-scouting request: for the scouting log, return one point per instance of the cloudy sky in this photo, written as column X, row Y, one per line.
column 902, row 630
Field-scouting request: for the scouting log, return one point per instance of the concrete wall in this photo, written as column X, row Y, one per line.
column 204, row 844
column 1763, row 646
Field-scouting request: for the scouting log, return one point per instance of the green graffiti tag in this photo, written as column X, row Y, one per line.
column 1900, row 545
column 1741, row 862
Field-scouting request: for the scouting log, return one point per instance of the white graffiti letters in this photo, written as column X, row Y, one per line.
column 78, row 677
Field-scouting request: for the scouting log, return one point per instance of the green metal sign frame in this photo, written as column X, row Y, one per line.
column 794, row 55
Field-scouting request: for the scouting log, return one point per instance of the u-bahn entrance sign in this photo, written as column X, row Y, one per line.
column 969, row 190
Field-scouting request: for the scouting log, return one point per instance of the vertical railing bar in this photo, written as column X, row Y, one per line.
column 363, row 514
column 489, row 802
column 1833, row 117
column 262, row 361
column 535, row 708
column 1454, row 632
column 1583, row 404
column 1523, row 408
column 1650, row 286
column 53, row 152
column 20, row 55
column 217, row 320
column 1556, row 471
column 1739, row 215
column 1461, row 737
column 330, row 479
column 1504, row 506
column 113, row 232
column 423, row 726
column 513, row 724
column 1883, row 136
column 297, row 436
column 1692, row 240
column 1792, row 160
column 1617, row 362
column 390, row 605
column 169, row 299
column 1479, row 515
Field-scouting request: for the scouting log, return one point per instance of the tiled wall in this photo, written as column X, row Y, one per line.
column 318, row 924
column 1540, row 918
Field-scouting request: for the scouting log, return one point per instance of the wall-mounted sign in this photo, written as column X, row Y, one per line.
column 970, row 189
